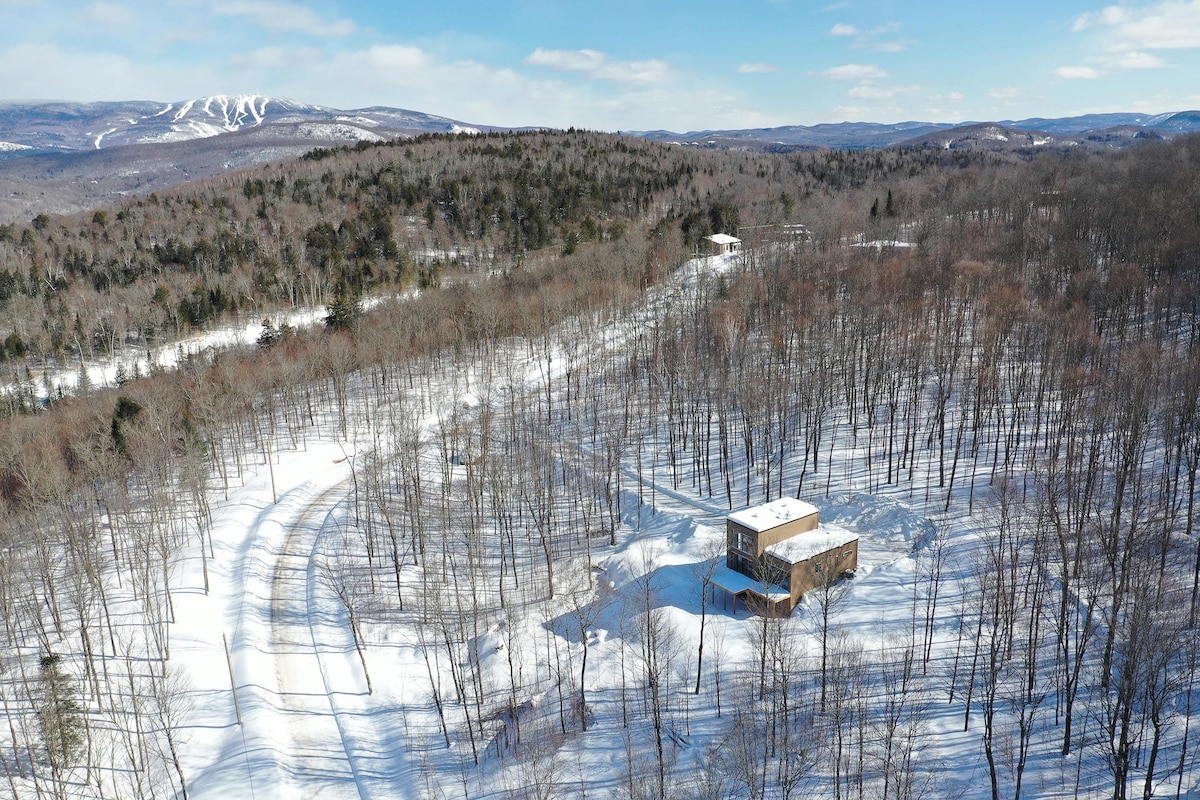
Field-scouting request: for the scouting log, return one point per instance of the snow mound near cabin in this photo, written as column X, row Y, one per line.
column 879, row 519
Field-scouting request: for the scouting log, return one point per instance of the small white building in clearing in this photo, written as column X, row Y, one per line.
column 721, row 244
column 778, row 551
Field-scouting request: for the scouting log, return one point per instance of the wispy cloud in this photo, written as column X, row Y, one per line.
column 871, row 86
column 755, row 69
column 872, row 38
column 1128, row 33
column 1136, row 60
column 597, row 65
column 282, row 16
column 1077, row 73
column 1174, row 24
column 855, row 72
column 1108, row 64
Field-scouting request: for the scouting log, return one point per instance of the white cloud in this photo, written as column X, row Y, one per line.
column 1075, row 73
column 597, row 65
column 282, row 16
column 870, row 39
column 1174, row 24
column 1136, row 60
column 1127, row 32
column 753, row 69
column 1118, row 62
column 1112, row 15
column 855, row 72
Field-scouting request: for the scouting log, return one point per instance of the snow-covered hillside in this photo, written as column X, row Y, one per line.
column 63, row 126
column 212, row 116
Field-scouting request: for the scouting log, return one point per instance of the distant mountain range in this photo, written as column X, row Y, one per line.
column 59, row 157
column 42, row 128
column 1090, row 131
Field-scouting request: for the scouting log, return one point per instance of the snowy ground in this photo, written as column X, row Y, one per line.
column 54, row 378
column 312, row 725
column 310, row 729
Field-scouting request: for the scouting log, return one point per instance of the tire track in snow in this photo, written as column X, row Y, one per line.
column 322, row 764
column 373, row 759
column 258, row 758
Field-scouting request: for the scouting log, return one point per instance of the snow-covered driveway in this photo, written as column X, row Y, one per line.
column 302, row 640
column 309, row 727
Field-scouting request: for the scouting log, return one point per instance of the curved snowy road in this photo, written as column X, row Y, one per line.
column 303, row 636
column 343, row 741
column 309, row 727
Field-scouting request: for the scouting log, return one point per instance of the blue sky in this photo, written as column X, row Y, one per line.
column 620, row 64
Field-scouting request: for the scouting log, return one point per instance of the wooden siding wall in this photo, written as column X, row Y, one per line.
column 771, row 536
column 833, row 564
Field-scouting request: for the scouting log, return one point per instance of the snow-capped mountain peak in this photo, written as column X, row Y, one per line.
column 217, row 114
column 57, row 127
column 233, row 112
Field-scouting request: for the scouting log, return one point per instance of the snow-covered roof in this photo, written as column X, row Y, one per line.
column 773, row 514
column 722, row 238
column 811, row 543
column 736, row 583
column 879, row 244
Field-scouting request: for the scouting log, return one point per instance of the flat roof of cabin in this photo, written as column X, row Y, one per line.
column 773, row 514
column 812, row 543
column 722, row 238
column 737, row 583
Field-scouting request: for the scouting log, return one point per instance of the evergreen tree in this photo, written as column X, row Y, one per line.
column 270, row 335
column 343, row 310
column 59, row 715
